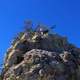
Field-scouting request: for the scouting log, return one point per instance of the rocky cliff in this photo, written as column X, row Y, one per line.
column 40, row 55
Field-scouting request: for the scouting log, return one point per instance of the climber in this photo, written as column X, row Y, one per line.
column 43, row 31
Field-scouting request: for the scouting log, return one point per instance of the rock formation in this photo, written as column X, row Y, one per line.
column 40, row 55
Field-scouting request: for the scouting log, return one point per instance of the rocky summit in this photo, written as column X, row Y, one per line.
column 41, row 55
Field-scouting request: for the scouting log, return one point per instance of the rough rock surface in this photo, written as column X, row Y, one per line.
column 42, row 57
column 40, row 65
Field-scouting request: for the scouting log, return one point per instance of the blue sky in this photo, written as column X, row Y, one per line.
column 64, row 13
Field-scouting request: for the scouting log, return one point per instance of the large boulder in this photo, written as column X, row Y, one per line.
column 39, row 65
column 42, row 57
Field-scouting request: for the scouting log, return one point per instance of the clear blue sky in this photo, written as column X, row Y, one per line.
column 64, row 13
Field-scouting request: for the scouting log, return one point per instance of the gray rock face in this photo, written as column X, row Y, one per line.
column 43, row 57
column 39, row 65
